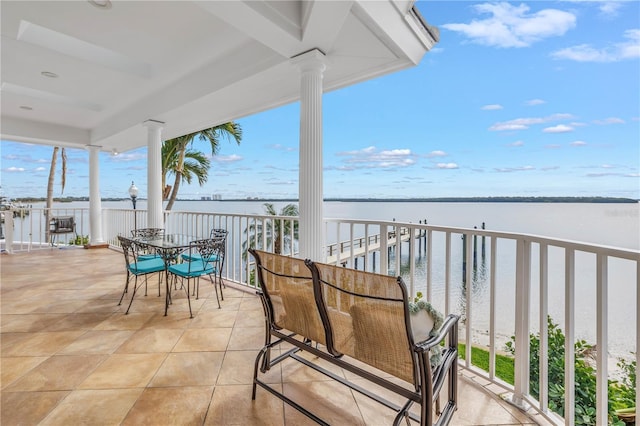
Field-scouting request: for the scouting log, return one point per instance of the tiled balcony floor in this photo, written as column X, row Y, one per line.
column 71, row 357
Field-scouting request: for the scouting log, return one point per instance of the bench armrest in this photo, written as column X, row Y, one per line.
column 449, row 326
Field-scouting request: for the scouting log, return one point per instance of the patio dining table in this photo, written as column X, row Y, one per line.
column 169, row 247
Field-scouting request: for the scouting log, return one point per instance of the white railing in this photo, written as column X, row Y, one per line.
column 502, row 284
column 510, row 267
column 27, row 228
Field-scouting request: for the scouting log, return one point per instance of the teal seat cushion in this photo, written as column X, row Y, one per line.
column 147, row 266
column 191, row 269
column 196, row 256
column 142, row 257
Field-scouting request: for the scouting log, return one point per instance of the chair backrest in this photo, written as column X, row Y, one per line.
column 147, row 232
column 287, row 291
column 129, row 250
column 218, row 232
column 208, row 251
column 220, row 236
column 367, row 316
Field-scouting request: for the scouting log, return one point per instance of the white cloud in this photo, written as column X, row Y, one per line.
column 629, row 49
column 448, row 166
column 492, row 107
column 578, row 143
column 227, row 158
column 533, row 102
column 437, row 153
column 370, row 157
column 14, row 169
column 524, row 123
column 128, row 157
column 610, row 120
column 516, row 143
column 40, row 169
column 513, row 169
column 513, row 26
column 560, row 128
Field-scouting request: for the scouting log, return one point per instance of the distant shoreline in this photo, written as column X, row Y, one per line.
column 616, row 200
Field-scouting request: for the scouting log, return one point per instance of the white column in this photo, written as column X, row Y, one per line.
column 311, row 242
column 155, row 216
column 95, row 201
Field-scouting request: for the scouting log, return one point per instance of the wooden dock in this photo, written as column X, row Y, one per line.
column 342, row 251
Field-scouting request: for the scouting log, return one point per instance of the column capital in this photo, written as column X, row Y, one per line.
column 153, row 124
column 311, row 60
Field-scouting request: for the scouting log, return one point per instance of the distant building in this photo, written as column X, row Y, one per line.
column 217, row 197
column 205, row 198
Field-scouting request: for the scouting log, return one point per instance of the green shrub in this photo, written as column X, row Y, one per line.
column 621, row 394
column 79, row 240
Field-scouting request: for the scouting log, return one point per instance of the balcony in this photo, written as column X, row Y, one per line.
column 71, row 356
column 67, row 302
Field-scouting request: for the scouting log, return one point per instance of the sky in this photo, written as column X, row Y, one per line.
column 532, row 98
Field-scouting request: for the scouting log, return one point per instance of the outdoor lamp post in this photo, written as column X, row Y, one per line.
column 133, row 193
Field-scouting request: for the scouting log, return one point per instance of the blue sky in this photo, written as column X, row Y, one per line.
column 537, row 98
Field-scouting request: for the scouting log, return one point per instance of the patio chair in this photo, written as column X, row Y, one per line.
column 147, row 233
column 220, row 236
column 137, row 267
column 203, row 254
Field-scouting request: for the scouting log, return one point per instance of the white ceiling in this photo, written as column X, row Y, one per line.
column 189, row 64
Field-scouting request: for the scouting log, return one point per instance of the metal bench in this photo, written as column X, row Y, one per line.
column 358, row 321
column 61, row 225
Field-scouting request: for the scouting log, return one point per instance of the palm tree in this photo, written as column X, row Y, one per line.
column 52, row 174
column 196, row 165
column 276, row 231
column 177, row 154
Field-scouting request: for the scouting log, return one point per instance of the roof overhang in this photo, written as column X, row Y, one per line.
column 189, row 64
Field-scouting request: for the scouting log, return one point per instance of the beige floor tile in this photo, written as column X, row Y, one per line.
column 232, row 405
column 28, row 408
column 215, row 318
column 246, row 338
column 124, row 371
column 60, row 372
column 237, row 369
column 329, row 400
column 185, row 406
column 151, row 340
column 203, row 339
column 479, row 407
column 37, row 344
column 189, row 369
column 251, row 318
column 79, row 321
column 97, row 342
column 131, row 321
column 93, row 407
column 12, row 368
column 159, row 320
column 28, row 322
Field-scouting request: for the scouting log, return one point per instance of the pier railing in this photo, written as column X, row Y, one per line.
column 504, row 285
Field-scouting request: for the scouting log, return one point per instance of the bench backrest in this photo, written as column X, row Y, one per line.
column 367, row 318
column 355, row 313
column 287, row 289
column 63, row 224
